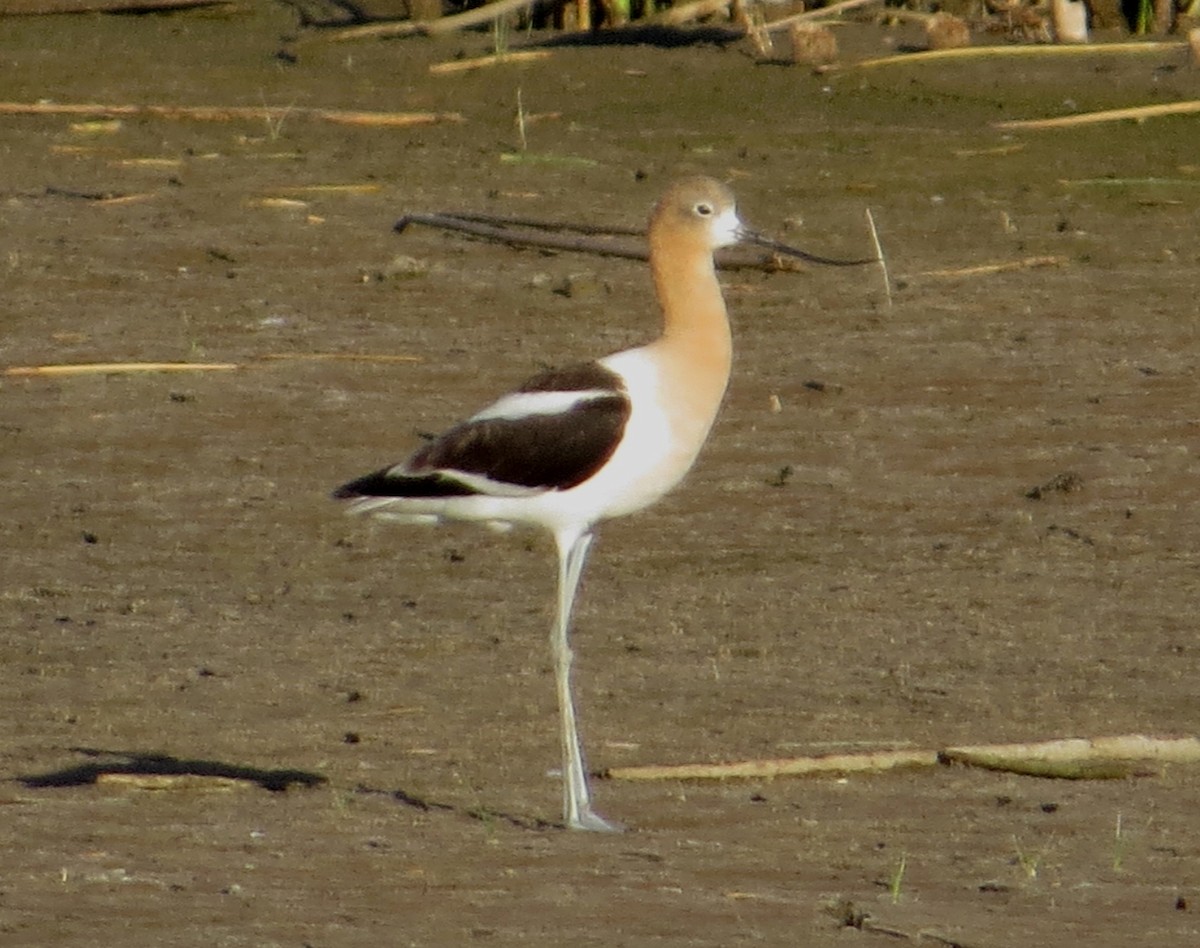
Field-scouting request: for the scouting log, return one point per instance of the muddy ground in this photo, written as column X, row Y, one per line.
column 861, row 568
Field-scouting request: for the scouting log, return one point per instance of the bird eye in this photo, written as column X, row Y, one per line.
column 704, row 210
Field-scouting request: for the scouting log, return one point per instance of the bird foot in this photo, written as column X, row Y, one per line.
column 593, row 822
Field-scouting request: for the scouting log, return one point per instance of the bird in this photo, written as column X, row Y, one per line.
column 578, row 445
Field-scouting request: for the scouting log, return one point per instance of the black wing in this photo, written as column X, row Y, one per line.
column 513, row 450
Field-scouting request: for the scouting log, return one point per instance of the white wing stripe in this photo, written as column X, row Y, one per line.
column 520, row 405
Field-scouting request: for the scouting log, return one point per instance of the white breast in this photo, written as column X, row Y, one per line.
column 659, row 445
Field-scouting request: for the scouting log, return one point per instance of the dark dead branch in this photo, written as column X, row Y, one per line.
column 624, row 243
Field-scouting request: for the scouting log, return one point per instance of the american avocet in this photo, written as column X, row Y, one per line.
column 575, row 446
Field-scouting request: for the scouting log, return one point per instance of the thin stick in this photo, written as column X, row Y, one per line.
column 338, row 357
column 331, row 189
column 532, row 223
column 687, row 12
column 521, row 131
column 883, row 267
column 1007, row 266
column 997, row 150
column 1127, row 182
column 159, row 782
column 231, row 113
column 480, row 226
column 1138, row 113
column 278, row 202
column 147, row 163
column 541, row 158
column 1072, row 758
column 446, row 24
column 127, row 368
column 118, row 368
column 481, row 62
column 964, row 52
column 836, row 9
column 875, row 762
column 123, row 199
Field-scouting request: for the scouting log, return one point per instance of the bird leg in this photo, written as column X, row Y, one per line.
column 577, row 803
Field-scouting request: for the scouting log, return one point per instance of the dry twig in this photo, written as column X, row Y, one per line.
column 205, row 113
column 365, row 188
column 192, row 782
column 446, row 24
column 688, row 12
column 985, row 269
column 883, row 267
column 131, row 368
column 980, row 52
column 1137, row 113
column 481, row 62
column 117, row 368
column 824, row 13
column 1072, row 759
column 874, row 762
column 386, row 358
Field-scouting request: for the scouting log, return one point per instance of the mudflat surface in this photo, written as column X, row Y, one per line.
column 367, row 713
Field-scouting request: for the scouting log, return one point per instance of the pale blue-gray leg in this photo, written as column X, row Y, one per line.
column 577, row 799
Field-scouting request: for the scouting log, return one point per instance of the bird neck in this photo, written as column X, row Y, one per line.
column 695, row 321
column 695, row 352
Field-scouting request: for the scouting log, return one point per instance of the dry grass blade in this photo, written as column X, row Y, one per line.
column 998, row 150
column 123, row 199
column 338, row 357
column 690, row 12
column 177, row 782
column 278, row 202
column 117, row 368
column 130, row 368
column 332, row 189
column 1135, row 113
column 782, row 767
column 988, row 52
column 824, row 13
column 206, row 113
column 883, row 267
column 155, row 163
column 446, row 24
column 1007, row 266
column 382, row 119
column 1072, row 758
column 482, row 62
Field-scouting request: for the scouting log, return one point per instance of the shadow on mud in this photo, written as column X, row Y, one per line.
column 163, row 765
column 482, row 814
